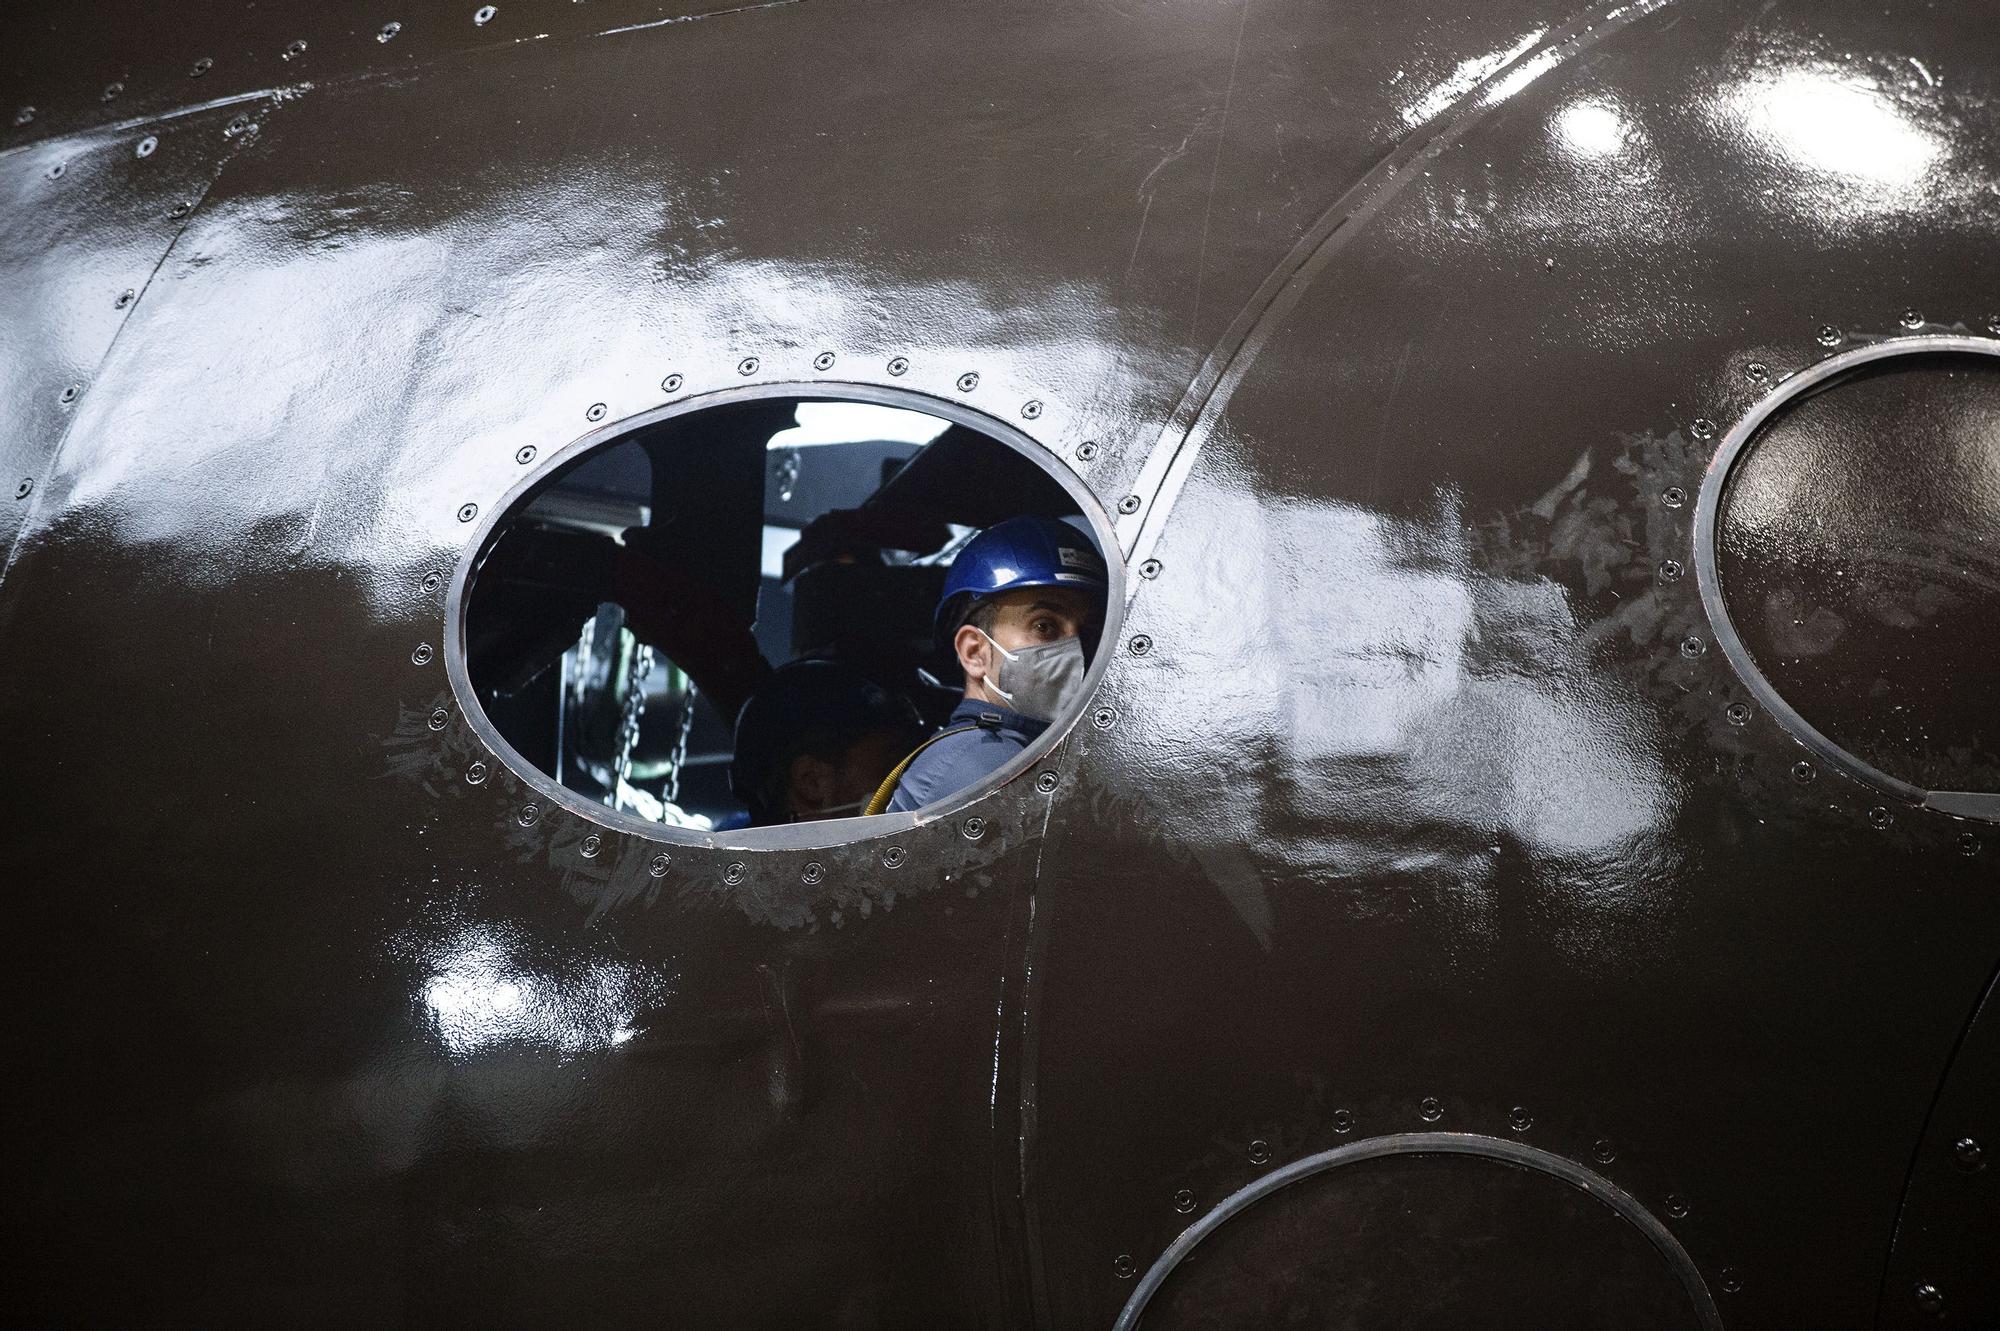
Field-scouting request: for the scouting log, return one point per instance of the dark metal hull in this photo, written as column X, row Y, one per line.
column 1411, row 803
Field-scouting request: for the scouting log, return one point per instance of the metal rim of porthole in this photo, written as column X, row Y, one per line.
column 1707, row 522
column 821, row 834
column 1517, row 1154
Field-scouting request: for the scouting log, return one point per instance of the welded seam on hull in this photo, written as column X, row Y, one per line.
column 1989, row 1000
column 1194, row 417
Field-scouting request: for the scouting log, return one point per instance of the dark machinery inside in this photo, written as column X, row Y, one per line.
column 626, row 608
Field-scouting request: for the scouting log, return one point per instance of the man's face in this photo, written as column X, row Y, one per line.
column 816, row 786
column 1027, row 618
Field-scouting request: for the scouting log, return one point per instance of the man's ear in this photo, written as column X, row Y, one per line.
column 809, row 785
column 974, row 652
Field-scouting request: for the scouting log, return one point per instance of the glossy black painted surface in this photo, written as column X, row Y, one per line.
column 1396, row 340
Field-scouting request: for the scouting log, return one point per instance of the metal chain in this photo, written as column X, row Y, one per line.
column 672, row 793
column 634, row 709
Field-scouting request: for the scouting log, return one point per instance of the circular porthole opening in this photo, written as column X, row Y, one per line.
column 1856, row 552
column 741, row 615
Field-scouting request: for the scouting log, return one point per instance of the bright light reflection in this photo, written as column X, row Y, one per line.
column 1591, row 129
column 1468, row 75
column 1839, row 122
column 857, row 422
column 478, row 996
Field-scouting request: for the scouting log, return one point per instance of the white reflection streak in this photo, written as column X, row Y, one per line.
column 1468, row 75
column 478, row 996
column 1841, row 123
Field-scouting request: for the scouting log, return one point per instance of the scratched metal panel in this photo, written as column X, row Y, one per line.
column 1949, row 1227
column 370, row 1045
column 84, row 222
column 1470, row 820
column 65, row 68
column 1413, row 796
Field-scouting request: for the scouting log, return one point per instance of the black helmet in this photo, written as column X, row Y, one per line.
column 807, row 707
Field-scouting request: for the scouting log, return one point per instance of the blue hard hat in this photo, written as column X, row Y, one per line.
column 1016, row 554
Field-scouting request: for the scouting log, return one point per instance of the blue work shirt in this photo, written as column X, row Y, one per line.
column 957, row 761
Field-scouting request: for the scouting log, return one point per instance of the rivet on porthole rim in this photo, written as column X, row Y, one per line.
column 1086, row 450
column 671, row 384
column 200, row 67
column 1150, row 569
column 56, row 171
column 294, row 49
column 1184, row 1200
column 812, row 873
column 1430, row 1109
column 125, row 297
column 25, row 488
column 973, row 828
column 1259, row 1152
column 1031, row 410
column 1737, row 714
column 24, row 116
column 1123, row 1266
column 595, row 411
column 893, row 857
column 70, row 394
column 823, row 361
column 968, row 381
column 1104, row 718
column 1673, row 496
column 1692, row 646
column 1880, row 818
column 475, row 774
column 1047, row 782
column 440, row 719
column 1519, row 1119
column 1140, row 644
column 181, row 209
column 524, row 454
column 467, row 512
column 899, row 365
column 1758, row 372
column 1343, row 1120
column 590, row 845
column 659, row 865
column 1129, row 504
column 1912, row 319
column 387, row 32
column 422, row 655
column 748, row 365
column 1730, row 1280
column 1604, row 1151
column 432, row 581
column 1968, row 844
column 734, row 873
column 1803, row 771
column 1828, row 336
column 484, row 15
column 529, row 814
column 111, row 91
column 146, row 146
column 1671, row 570
column 1703, row 428
column 1677, row 1206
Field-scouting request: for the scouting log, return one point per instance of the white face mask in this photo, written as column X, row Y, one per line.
column 1046, row 679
